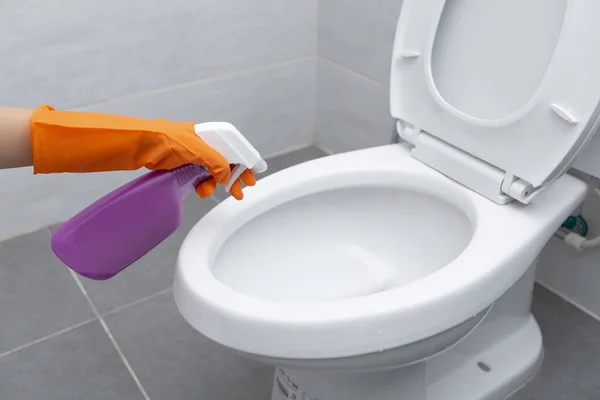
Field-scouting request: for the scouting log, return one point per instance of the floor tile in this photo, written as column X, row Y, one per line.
column 175, row 362
column 572, row 360
column 284, row 161
column 38, row 296
column 153, row 272
column 80, row 364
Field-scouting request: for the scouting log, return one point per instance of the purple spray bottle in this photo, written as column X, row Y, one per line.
column 124, row 225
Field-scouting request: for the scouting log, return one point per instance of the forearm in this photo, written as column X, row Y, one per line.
column 15, row 142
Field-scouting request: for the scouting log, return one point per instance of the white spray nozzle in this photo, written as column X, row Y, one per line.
column 227, row 140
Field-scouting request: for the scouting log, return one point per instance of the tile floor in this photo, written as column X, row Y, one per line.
column 67, row 338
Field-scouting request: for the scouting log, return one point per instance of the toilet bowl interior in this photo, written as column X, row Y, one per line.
column 342, row 243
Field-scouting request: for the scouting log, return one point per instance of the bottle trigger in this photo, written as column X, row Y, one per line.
column 235, row 175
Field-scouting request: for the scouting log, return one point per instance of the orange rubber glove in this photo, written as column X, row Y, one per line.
column 71, row 141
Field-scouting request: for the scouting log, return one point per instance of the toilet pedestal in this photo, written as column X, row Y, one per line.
column 490, row 374
column 495, row 360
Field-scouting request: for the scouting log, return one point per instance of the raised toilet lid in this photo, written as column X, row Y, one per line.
column 500, row 95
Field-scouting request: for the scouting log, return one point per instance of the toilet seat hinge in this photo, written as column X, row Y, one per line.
column 518, row 189
column 497, row 185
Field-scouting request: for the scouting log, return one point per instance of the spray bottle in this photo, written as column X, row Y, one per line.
column 124, row 225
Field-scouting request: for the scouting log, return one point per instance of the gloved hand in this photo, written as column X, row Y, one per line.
column 72, row 141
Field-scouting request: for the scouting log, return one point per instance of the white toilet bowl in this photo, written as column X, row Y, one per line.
column 357, row 253
column 406, row 271
column 365, row 261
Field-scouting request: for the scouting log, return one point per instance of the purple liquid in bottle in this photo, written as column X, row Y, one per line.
column 123, row 226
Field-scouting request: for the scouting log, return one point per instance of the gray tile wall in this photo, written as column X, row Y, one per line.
column 249, row 62
column 355, row 46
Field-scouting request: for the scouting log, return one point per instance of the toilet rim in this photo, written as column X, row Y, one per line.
column 370, row 323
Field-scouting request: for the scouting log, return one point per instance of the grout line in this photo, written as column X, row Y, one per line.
column 22, row 233
column 125, row 361
column 110, row 335
column 316, row 103
column 353, row 72
column 315, row 133
column 569, row 300
column 50, row 336
column 48, row 230
column 73, row 327
column 215, row 199
column 137, row 302
column 325, row 150
column 318, row 26
column 197, row 82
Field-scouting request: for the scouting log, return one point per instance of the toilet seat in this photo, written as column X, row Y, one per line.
column 506, row 236
column 503, row 150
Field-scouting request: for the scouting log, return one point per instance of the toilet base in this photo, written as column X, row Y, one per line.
column 475, row 369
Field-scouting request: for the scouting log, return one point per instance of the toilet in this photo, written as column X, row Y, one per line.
column 406, row 271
